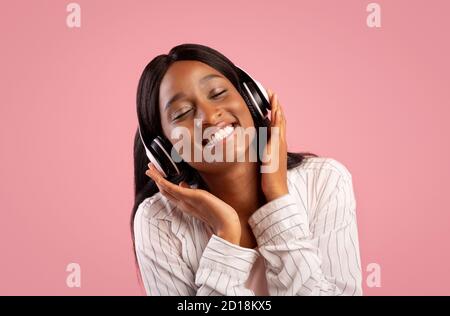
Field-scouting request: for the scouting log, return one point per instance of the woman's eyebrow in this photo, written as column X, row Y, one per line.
column 209, row 77
column 176, row 97
column 180, row 95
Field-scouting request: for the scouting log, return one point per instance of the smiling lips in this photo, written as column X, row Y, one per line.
column 217, row 133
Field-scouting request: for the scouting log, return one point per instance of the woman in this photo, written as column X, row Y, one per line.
column 227, row 228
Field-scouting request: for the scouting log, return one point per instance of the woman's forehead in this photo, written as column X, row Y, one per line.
column 186, row 70
column 183, row 76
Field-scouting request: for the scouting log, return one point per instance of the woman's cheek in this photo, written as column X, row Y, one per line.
column 243, row 114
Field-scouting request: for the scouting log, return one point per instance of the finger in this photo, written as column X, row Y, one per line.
column 168, row 195
column 169, row 192
column 276, row 111
column 187, row 206
column 269, row 93
column 184, row 184
column 275, row 101
column 274, row 120
column 153, row 173
column 193, row 211
column 274, row 108
column 282, row 119
column 152, row 176
column 161, row 189
column 279, row 115
column 157, row 178
column 280, row 125
column 168, row 189
column 179, row 192
column 280, row 108
column 160, row 181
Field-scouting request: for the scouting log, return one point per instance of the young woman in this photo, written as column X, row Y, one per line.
column 227, row 228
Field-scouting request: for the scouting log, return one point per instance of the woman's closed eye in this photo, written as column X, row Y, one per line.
column 185, row 110
column 181, row 112
column 218, row 94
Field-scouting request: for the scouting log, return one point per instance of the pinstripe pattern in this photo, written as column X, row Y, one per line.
column 307, row 242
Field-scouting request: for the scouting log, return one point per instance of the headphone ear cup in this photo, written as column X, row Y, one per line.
column 161, row 149
column 256, row 116
column 152, row 153
column 256, row 97
column 161, row 155
column 258, row 105
column 266, row 101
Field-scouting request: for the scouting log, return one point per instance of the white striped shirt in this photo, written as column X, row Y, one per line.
column 307, row 238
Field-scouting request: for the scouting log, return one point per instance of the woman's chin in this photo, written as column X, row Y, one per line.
column 222, row 159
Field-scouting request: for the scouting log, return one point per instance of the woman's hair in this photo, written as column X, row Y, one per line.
column 147, row 102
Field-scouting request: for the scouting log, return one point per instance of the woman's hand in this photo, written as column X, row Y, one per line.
column 274, row 184
column 203, row 205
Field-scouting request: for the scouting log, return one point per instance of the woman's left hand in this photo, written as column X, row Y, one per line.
column 274, row 183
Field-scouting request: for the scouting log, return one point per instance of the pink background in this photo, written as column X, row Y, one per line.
column 375, row 99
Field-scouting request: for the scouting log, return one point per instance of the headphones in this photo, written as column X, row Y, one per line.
column 159, row 149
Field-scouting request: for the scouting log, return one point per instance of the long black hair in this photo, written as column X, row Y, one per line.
column 147, row 101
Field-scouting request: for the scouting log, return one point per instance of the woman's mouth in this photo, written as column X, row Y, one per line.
column 219, row 135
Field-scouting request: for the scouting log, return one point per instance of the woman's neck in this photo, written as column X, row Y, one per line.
column 239, row 186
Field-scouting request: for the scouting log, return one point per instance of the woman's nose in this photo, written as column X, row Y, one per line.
column 209, row 113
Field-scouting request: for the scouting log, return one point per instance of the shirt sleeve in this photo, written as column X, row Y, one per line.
column 223, row 268
column 295, row 263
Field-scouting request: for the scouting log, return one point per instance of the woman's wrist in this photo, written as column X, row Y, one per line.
column 234, row 238
column 270, row 196
column 230, row 230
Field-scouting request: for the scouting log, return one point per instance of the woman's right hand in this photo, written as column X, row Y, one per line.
column 201, row 204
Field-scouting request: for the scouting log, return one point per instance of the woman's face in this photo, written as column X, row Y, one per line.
column 194, row 95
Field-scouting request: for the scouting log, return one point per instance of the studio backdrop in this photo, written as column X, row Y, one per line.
column 363, row 82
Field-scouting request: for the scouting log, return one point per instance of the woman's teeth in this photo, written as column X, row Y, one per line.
column 220, row 134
